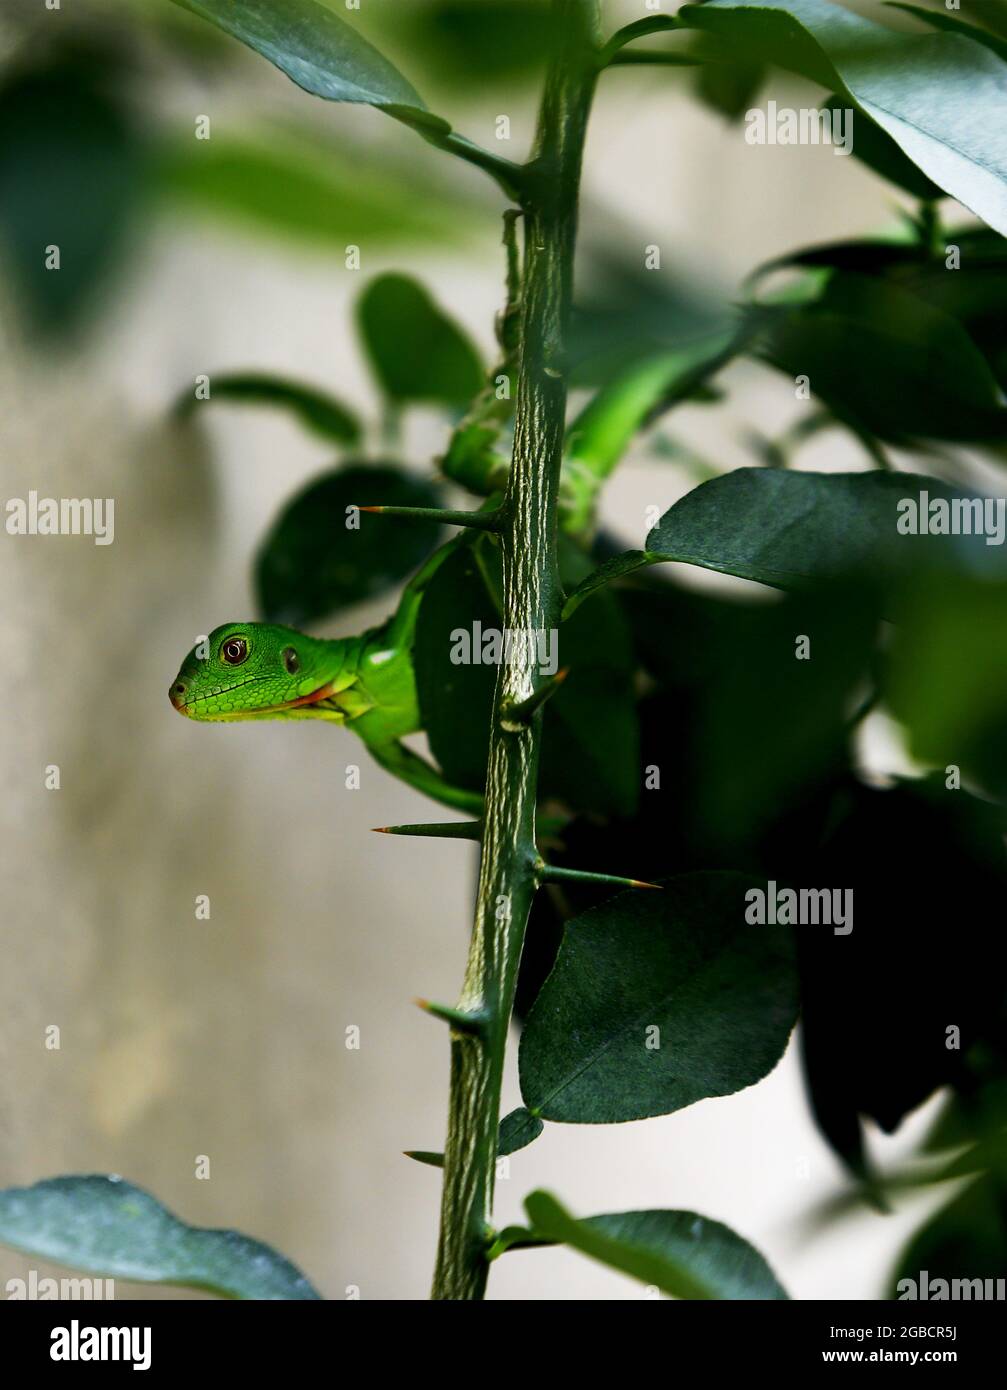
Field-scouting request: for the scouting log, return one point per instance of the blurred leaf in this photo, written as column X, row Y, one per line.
column 518, row 1130
column 966, row 1240
column 297, row 187
column 109, row 1227
column 456, row 698
column 322, row 54
column 473, row 43
column 939, row 96
column 686, row 1255
column 319, row 412
column 947, row 677
column 722, row 993
column 779, row 528
column 729, row 88
column 862, row 333
column 416, row 351
column 927, row 870
column 624, row 312
column 599, row 436
column 71, row 169
column 954, row 24
column 312, row 565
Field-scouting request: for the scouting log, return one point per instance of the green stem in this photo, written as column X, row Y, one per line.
column 532, row 601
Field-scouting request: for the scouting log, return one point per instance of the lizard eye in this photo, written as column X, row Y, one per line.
column 234, row 651
column 290, row 660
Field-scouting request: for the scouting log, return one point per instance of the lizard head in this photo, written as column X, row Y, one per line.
column 253, row 670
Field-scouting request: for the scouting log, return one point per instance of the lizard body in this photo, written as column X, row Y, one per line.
column 255, row 670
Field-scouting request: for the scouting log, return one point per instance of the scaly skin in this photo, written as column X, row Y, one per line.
column 262, row 671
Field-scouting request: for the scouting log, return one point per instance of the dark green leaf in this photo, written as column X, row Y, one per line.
column 729, row 88
column 966, row 1240
column 862, row 330
column 319, row 52
column 518, row 1130
column 721, row 993
column 578, row 767
column 939, row 96
column 686, row 1255
column 312, row 564
column 955, row 24
column 71, row 168
column 417, row 352
column 109, row 1227
column 316, row 410
column 780, row 528
column 873, row 146
column 877, row 1004
column 947, row 678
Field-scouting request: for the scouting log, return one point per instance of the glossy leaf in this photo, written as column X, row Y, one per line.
column 416, row 351
column 721, row 993
column 779, row 528
column 686, row 1255
column 312, row 564
column 106, row 1226
column 893, row 77
column 517, row 1130
column 319, row 412
column 321, row 53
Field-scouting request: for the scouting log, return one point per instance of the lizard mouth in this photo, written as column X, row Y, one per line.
column 190, row 707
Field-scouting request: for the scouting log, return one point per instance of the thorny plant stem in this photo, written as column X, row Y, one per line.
column 532, row 601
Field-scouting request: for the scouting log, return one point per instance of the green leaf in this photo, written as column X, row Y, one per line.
column 946, row 677
column 601, row 433
column 721, row 992
column 293, row 184
column 965, row 1240
column 322, row 54
column 312, row 564
column 862, row 330
column 729, row 88
column 686, row 1255
column 416, row 351
column 456, row 696
column 874, row 147
column 517, row 1130
column 938, row 96
column 780, row 528
column 109, row 1227
column 319, row 412
column 58, row 119
column 954, row 24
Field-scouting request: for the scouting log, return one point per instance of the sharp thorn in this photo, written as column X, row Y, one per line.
column 480, row 521
column 551, row 873
column 424, row 1156
column 460, row 1020
column 516, row 716
column 438, row 830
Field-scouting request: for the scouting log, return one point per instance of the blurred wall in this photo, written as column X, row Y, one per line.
column 225, row 1037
